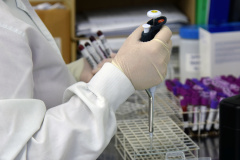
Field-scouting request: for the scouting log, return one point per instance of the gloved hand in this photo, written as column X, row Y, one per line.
column 145, row 63
column 103, row 62
column 81, row 70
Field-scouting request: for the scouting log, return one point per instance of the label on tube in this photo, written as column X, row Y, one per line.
column 104, row 43
column 93, row 52
column 98, row 48
column 87, row 56
column 211, row 115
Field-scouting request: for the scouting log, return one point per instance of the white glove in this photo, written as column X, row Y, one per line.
column 145, row 63
column 81, row 70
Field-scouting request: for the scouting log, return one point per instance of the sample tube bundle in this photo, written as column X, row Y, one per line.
column 200, row 98
column 95, row 52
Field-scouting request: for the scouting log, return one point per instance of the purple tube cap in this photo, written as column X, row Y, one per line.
column 204, row 101
column 223, row 77
column 194, row 93
column 224, row 83
column 187, row 99
column 214, row 104
column 189, row 82
column 177, row 82
column 184, row 91
column 185, row 86
column 196, row 101
column 234, row 87
column 169, row 87
column 206, row 81
column 175, row 91
column 231, row 78
column 183, row 102
column 213, row 94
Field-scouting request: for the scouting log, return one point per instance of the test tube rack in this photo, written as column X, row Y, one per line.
column 132, row 138
column 165, row 104
column 133, row 143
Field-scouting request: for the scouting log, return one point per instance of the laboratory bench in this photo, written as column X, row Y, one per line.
column 209, row 147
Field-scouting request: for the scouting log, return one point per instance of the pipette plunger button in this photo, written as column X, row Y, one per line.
column 154, row 14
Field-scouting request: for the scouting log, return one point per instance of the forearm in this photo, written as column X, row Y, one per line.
column 82, row 127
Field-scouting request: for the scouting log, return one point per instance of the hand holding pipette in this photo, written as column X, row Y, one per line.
column 153, row 56
column 153, row 53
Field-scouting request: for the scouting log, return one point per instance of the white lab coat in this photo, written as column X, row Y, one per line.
column 44, row 113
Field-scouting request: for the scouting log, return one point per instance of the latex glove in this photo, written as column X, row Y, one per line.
column 81, row 70
column 145, row 63
column 103, row 62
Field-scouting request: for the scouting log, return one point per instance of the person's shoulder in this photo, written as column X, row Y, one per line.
column 9, row 22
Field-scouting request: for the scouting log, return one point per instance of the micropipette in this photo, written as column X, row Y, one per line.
column 150, row 30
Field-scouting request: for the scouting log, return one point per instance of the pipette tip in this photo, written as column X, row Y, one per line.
column 150, row 134
column 151, row 140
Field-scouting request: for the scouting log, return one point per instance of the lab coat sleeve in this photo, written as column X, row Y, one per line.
column 83, row 125
column 79, row 128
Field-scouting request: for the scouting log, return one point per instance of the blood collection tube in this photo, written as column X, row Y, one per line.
column 183, row 104
column 104, row 43
column 212, row 114
column 97, row 47
column 93, row 52
column 203, row 112
column 87, row 56
column 193, row 94
column 196, row 105
column 182, row 92
column 216, row 124
column 190, row 111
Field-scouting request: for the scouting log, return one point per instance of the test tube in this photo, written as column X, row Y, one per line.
column 105, row 43
column 216, row 124
column 195, row 103
column 212, row 113
column 98, row 48
column 87, row 56
column 183, row 104
column 93, row 52
column 203, row 109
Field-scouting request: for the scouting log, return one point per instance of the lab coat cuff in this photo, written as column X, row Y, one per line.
column 113, row 84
